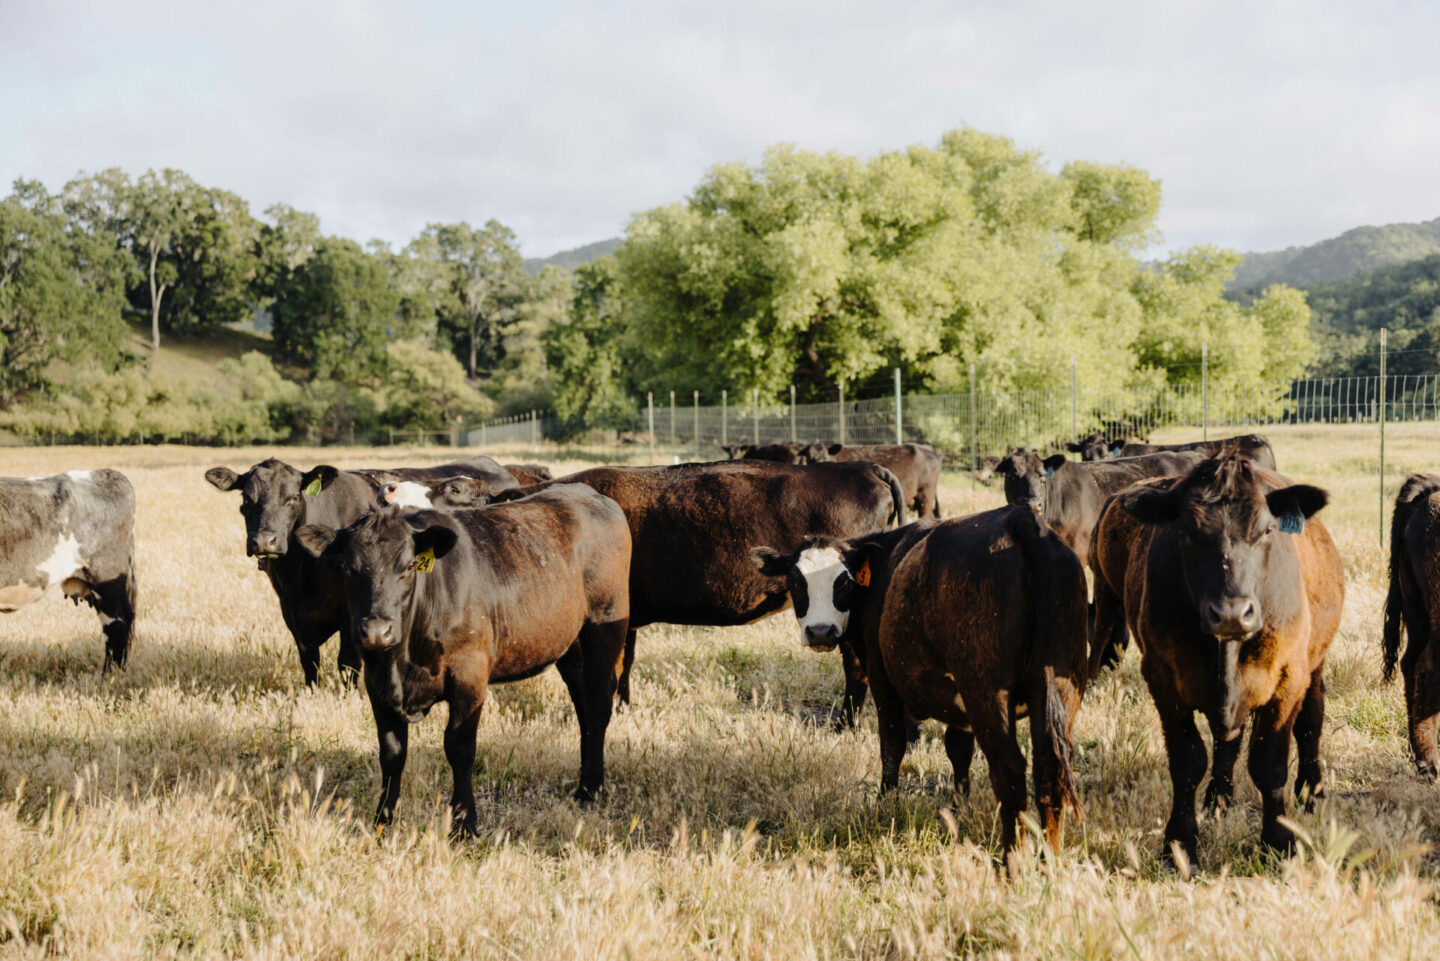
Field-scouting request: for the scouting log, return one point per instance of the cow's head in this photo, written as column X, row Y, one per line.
column 458, row 491
column 1093, row 447
column 1027, row 477
column 736, row 451
column 819, row 452
column 824, row 579
column 272, row 501
column 380, row 556
column 1226, row 525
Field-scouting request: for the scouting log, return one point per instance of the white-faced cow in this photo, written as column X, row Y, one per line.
column 975, row 621
column 693, row 525
column 1233, row 590
column 276, row 499
column 444, row 604
column 917, row 466
column 73, row 531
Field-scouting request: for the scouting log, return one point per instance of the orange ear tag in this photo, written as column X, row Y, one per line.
column 862, row 576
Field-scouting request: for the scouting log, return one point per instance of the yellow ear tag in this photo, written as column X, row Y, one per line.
column 862, row 576
column 425, row 561
column 313, row 488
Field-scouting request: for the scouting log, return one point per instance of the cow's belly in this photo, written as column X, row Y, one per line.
column 16, row 596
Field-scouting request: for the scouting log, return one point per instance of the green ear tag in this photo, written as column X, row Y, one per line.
column 313, row 488
column 425, row 560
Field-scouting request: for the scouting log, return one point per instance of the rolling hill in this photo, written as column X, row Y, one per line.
column 570, row 259
column 1333, row 260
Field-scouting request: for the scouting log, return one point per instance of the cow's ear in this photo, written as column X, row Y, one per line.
column 1074, row 448
column 1005, row 466
column 1053, row 462
column 317, row 539
column 438, row 538
column 316, row 479
column 1149, row 505
column 1116, row 448
column 223, row 478
column 1298, row 500
column 864, row 560
column 835, row 449
column 769, row 561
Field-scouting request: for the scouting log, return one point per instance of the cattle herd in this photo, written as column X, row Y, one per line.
column 443, row 580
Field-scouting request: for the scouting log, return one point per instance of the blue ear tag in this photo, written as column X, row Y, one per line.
column 1049, row 472
column 1292, row 522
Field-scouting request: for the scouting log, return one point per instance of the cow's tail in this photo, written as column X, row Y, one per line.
column 1059, row 664
column 1416, row 486
column 897, row 495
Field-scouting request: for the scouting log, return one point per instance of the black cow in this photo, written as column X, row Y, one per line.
column 1093, row 447
column 1412, row 607
column 975, row 621
column 917, row 466
column 277, row 499
column 1069, row 495
column 781, row 453
column 445, row 604
column 693, row 526
column 1255, row 445
column 75, row 531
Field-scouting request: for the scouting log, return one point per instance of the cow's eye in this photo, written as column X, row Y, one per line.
column 1269, row 530
column 293, row 499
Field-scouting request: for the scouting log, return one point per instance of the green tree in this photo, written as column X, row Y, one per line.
column 586, row 353
column 427, row 389
column 335, row 313
column 61, row 293
column 483, row 280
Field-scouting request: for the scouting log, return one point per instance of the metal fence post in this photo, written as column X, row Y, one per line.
column 793, row 438
column 842, row 411
column 650, row 421
column 672, row 418
column 724, row 417
column 1204, row 391
column 1073, row 432
column 974, row 426
column 755, row 414
column 697, row 425
column 1383, row 332
column 899, row 429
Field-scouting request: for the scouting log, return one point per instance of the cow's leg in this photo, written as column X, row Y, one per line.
column 570, row 668
column 1269, row 769
column 993, row 722
column 622, row 687
column 393, row 732
column 465, row 705
column 348, row 659
column 856, row 684
column 1109, row 637
column 601, row 646
column 114, row 601
column 1310, row 776
column 960, row 748
column 1421, row 670
column 891, row 714
column 1221, row 789
column 1185, row 752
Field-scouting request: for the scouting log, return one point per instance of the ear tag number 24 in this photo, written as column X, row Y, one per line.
column 424, row 561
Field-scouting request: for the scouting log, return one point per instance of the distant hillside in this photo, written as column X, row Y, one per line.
column 570, row 259
column 1330, row 261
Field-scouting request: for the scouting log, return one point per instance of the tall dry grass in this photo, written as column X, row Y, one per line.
column 203, row 803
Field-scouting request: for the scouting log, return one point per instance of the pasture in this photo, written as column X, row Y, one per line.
column 204, row 803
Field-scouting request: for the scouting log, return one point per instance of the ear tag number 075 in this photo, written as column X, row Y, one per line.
column 424, row 561
column 1292, row 522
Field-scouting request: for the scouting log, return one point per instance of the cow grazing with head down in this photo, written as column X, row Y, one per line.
column 1412, row 612
column 1255, row 445
column 692, row 526
column 276, row 499
column 1070, row 494
column 74, row 531
column 527, row 474
column 975, row 621
column 1233, row 590
column 444, row 604
column 1093, row 447
column 917, row 466
column 781, row 453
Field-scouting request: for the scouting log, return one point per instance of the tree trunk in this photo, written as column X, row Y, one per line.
column 474, row 341
column 154, row 301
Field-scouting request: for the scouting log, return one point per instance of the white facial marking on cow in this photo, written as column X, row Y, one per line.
column 63, row 562
column 407, row 494
column 821, row 567
column 78, row 475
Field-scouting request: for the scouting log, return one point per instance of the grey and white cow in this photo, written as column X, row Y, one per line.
column 74, row 531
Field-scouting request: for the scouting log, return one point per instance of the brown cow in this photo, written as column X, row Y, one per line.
column 693, row 525
column 1233, row 591
column 781, row 453
column 1412, row 607
column 917, row 466
column 444, row 604
column 974, row 621
column 1256, row 445
column 527, row 474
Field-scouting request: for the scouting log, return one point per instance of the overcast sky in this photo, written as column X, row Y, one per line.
column 1270, row 124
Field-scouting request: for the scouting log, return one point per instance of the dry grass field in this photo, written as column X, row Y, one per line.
column 203, row 803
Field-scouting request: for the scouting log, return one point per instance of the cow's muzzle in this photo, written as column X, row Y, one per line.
column 266, row 546
column 1231, row 617
column 376, row 633
column 822, row 637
